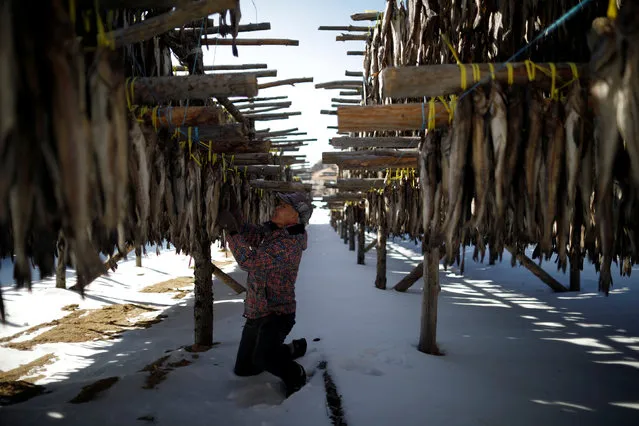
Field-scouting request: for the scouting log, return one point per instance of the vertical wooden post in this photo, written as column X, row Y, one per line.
column 345, row 226
column 351, row 228
column 203, row 308
column 575, row 248
column 61, row 267
column 382, row 231
column 138, row 256
column 361, row 235
column 428, row 332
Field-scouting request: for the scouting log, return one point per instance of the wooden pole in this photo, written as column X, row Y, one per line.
column 537, row 271
column 290, row 81
column 203, row 308
column 211, row 28
column 224, row 67
column 271, row 117
column 351, row 93
column 228, row 280
column 356, row 184
column 370, row 246
column 275, row 134
column 343, row 197
column 239, row 147
column 352, row 37
column 339, row 84
column 428, row 330
column 354, row 74
column 235, row 113
column 371, row 159
column 252, row 100
column 327, row 112
column 575, row 249
column 351, row 228
column 442, row 80
column 361, row 234
column 367, row 16
column 280, row 186
column 151, row 27
column 346, row 101
column 214, row 133
column 192, row 116
column 375, row 142
column 138, row 256
column 382, row 232
column 265, row 105
column 389, row 117
column 263, row 170
column 61, row 267
column 343, row 28
column 249, row 42
column 410, row 279
column 153, row 90
column 355, row 53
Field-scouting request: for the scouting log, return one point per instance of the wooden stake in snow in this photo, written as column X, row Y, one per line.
column 382, row 232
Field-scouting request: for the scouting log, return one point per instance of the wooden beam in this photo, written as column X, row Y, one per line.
column 265, row 105
column 215, row 133
column 290, row 81
column 228, row 280
column 251, row 159
column 389, row 117
column 249, row 42
column 235, row 113
column 442, row 80
column 352, row 37
column 280, row 186
column 354, row 74
column 367, row 16
column 154, row 90
column 371, row 159
column 239, row 147
column 271, row 117
column 192, row 116
column 224, row 67
column 327, row 112
column 211, row 28
column 340, row 84
column 282, row 149
column 544, row 276
column 295, row 140
column 344, row 196
column 151, row 27
column 276, row 133
column 375, row 142
column 253, row 100
column 351, row 93
column 410, row 279
column 362, row 185
column 343, row 28
column 258, row 74
column 263, row 170
column 287, row 145
column 355, row 53
column 346, row 101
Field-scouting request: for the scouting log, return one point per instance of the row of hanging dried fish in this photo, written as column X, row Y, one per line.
column 398, row 206
column 479, row 30
column 74, row 163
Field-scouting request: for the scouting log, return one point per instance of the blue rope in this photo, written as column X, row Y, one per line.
column 554, row 26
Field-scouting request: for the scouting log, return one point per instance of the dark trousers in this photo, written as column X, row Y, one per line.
column 262, row 348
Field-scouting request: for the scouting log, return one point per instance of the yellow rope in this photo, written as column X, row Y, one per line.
column 554, row 93
column 461, row 66
column 447, row 107
column 431, row 115
column 72, row 12
column 476, row 73
column 491, row 67
column 530, row 69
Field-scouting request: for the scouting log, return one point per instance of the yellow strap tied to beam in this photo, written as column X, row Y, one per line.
column 462, row 68
column 476, row 73
column 530, row 69
column 448, row 108
column 431, row 114
column 612, row 9
column 491, row 67
column 102, row 37
column 554, row 93
column 511, row 74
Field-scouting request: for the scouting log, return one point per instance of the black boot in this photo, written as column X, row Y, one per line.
column 298, row 348
column 295, row 380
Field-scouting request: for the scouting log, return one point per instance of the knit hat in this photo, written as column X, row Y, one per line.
column 301, row 202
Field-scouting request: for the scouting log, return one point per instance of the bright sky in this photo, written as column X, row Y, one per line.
column 318, row 55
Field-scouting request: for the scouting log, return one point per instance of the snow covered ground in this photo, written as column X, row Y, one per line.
column 515, row 353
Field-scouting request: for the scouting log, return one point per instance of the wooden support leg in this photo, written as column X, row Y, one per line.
column 382, row 231
column 351, row 228
column 138, row 257
column 370, row 246
column 428, row 333
column 203, row 307
column 61, row 267
column 410, row 279
column 228, row 280
column 537, row 271
column 361, row 242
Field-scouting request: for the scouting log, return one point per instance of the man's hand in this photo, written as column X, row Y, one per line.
column 227, row 221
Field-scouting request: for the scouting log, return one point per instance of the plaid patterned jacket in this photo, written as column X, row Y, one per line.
column 271, row 256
